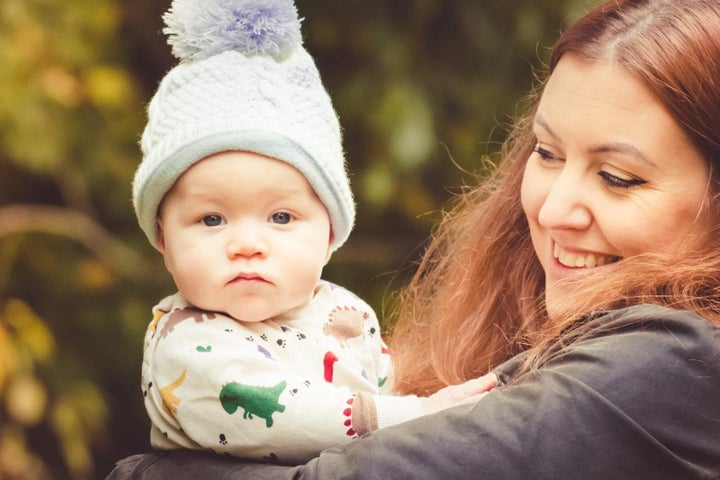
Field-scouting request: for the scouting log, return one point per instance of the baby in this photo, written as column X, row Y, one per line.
column 244, row 192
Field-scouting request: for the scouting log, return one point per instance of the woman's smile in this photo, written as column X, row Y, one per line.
column 579, row 259
column 612, row 176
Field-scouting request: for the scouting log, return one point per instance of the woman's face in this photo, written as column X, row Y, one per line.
column 612, row 176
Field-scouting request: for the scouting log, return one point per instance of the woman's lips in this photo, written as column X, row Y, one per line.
column 582, row 260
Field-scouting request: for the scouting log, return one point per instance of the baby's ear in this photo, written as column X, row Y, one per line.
column 159, row 237
column 330, row 249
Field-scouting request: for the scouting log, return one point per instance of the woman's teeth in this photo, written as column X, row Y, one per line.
column 589, row 260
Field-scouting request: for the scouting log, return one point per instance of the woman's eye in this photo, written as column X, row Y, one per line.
column 545, row 154
column 281, row 218
column 619, row 182
column 212, row 220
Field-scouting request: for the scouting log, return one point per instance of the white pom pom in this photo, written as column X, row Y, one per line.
column 199, row 29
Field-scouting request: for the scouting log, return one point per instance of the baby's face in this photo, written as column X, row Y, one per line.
column 244, row 234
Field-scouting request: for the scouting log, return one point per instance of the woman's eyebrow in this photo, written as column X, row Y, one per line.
column 622, row 148
column 539, row 121
column 626, row 149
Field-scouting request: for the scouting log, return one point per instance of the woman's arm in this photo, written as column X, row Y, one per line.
column 640, row 402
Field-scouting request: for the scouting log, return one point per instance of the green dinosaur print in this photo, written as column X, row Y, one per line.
column 254, row 400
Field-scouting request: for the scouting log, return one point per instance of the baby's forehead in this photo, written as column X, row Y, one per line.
column 240, row 177
column 242, row 169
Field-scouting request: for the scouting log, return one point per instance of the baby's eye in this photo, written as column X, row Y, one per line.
column 212, row 220
column 281, row 218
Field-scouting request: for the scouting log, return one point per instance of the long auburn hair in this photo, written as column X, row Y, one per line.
column 476, row 298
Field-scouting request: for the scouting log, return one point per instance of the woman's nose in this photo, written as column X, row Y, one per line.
column 566, row 205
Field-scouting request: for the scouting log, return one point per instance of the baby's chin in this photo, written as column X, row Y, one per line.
column 246, row 316
column 250, row 315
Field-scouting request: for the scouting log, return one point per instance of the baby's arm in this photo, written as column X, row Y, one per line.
column 463, row 393
column 251, row 391
column 372, row 412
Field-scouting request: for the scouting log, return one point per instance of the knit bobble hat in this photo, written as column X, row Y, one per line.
column 244, row 82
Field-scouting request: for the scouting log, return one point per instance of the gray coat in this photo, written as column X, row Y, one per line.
column 638, row 397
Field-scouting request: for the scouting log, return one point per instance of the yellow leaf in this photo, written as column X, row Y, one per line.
column 8, row 355
column 96, row 276
column 26, row 400
column 61, row 86
column 31, row 331
column 108, row 86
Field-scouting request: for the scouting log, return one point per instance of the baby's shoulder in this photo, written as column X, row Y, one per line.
column 336, row 294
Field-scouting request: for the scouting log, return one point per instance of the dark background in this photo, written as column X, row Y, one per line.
column 424, row 90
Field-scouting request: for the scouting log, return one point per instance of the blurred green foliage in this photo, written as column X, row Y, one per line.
column 422, row 87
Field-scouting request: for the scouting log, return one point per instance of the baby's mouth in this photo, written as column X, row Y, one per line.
column 585, row 260
column 248, row 277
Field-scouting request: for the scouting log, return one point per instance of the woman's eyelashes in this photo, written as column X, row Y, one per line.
column 545, row 154
column 611, row 180
column 619, row 182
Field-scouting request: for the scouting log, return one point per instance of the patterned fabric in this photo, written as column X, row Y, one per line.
column 279, row 390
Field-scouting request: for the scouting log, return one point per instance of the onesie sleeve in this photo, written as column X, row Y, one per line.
column 636, row 401
column 374, row 407
column 251, row 390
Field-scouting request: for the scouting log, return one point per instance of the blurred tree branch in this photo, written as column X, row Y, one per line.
column 74, row 225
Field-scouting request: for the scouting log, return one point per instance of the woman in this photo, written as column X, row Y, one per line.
column 587, row 268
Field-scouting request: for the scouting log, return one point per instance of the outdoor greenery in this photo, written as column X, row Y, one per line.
column 424, row 90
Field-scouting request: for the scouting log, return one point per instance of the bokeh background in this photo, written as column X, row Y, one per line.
column 424, row 90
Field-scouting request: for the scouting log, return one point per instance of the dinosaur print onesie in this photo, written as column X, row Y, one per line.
column 280, row 390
